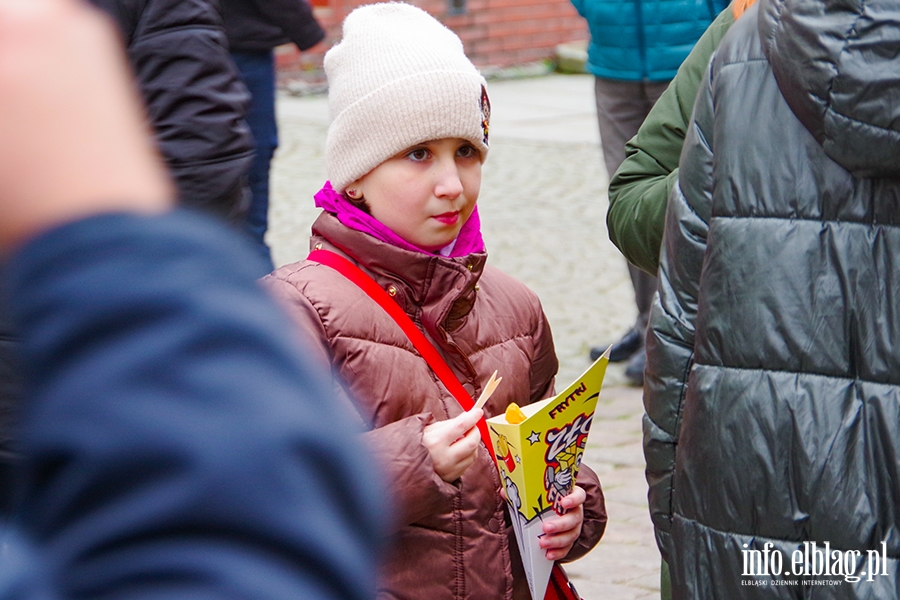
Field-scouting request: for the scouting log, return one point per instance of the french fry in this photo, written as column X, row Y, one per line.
column 489, row 388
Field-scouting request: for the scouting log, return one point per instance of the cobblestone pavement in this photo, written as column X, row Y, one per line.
column 543, row 207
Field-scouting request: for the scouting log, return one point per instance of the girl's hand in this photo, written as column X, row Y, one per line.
column 452, row 444
column 561, row 531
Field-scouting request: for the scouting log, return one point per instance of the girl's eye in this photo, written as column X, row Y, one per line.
column 418, row 154
column 467, row 151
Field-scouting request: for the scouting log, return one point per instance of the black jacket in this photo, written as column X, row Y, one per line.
column 194, row 96
column 258, row 25
column 773, row 381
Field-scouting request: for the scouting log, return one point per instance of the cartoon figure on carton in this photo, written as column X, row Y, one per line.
column 564, row 450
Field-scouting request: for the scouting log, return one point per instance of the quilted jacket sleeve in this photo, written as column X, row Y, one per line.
column 406, row 466
column 670, row 336
column 303, row 315
column 195, row 102
column 639, row 191
column 417, row 490
column 594, row 524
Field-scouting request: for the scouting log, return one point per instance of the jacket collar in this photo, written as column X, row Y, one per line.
column 436, row 290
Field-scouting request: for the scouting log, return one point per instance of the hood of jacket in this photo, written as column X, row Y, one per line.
column 836, row 64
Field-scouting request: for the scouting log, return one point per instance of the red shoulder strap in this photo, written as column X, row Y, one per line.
column 418, row 339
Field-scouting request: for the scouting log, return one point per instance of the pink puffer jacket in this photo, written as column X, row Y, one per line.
column 452, row 541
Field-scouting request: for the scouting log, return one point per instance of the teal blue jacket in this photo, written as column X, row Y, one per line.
column 643, row 40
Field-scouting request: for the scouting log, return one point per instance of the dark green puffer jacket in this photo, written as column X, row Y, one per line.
column 773, row 384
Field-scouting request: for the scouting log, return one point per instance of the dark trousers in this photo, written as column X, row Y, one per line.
column 621, row 108
column 257, row 69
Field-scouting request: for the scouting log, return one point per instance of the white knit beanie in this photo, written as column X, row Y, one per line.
column 398, row 78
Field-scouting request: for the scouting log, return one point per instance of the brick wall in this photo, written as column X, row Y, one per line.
column 495, row 33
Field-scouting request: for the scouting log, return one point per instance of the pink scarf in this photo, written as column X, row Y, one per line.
column 468, row 241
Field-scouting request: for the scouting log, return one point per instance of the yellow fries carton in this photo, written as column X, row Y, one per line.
column 538, row 459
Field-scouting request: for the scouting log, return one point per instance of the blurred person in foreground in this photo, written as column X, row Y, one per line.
column 254, row 28
column 195, row 104
column 175, row 443
column 636, row 48
column 773, row 384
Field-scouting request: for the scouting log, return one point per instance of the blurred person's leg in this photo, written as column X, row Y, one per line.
column 257, row 69
column 621, row 108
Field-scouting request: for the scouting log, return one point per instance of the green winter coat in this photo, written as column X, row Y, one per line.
column 640, row 188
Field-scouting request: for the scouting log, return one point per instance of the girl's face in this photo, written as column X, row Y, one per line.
column 427, row 192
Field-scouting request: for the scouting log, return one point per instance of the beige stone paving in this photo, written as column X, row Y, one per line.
column 543, row 207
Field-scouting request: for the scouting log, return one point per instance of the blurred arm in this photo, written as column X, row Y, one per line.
column 175, row 443
column 72, row 135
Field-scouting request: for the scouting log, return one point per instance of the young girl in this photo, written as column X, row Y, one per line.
column 408, row 136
